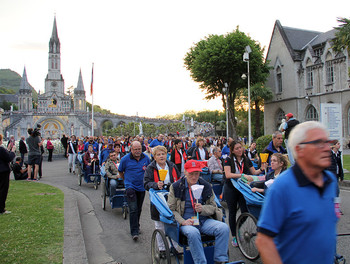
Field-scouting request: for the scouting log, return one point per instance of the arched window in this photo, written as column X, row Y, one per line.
column 329, row 69
column 309, row 74
column 279, row 79
column 279, row 116
column 311, row 114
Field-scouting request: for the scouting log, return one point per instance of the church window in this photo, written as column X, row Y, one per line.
column 329, row 69
column 309, row 74
column 279, row 116
column 279, row 80
column 311, row 114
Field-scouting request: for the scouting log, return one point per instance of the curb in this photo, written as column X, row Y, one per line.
column 344, row 183
column 74, row 250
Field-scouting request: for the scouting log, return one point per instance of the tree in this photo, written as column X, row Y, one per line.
column 258, row 94
column 218, row 59
column 342, row 35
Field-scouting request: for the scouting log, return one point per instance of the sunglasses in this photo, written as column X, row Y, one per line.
column 319, row 143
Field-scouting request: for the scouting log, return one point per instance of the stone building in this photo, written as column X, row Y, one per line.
column 305, row 73
column 58, row 113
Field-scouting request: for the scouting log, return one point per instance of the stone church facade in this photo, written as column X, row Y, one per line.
column 305, row 73
column 57, row 112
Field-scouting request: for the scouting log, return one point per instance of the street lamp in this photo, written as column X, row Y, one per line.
column 225, row 91
column 246, row 59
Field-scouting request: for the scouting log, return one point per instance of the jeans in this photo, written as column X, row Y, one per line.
column 135, row 201
column 232, row 197
column 217, row 177
column 22, row 157
column 210, row 227
column 71, row 160
column 290, row 154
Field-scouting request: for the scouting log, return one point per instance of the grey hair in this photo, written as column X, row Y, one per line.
column 299, row 134
column 215, row 149
column 276, row 133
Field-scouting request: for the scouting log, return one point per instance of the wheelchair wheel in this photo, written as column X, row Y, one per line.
column 125, row 211
column 157, row 255
column 246, row 235
column 104, row 197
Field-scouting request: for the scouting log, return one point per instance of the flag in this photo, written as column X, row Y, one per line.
column 92, row 80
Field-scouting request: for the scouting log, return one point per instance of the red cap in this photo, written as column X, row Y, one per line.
column 194, row 165
column 289, row 115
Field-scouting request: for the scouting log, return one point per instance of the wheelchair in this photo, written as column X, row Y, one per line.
column 94, row 177
column 172, row 233
column 119, row 199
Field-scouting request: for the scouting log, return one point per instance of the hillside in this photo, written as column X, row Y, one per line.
column 10, row 80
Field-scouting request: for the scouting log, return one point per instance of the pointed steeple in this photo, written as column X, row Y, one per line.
column 80, row 86
column 24, row 81
column 54, row 45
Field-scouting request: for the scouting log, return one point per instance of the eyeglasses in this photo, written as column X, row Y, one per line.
column 319, row 143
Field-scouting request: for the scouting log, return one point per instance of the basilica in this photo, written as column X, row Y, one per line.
column 58, row 113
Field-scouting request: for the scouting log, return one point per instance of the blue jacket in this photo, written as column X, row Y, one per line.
column 270, row 149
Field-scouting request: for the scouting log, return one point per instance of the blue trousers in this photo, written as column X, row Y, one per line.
column 210, row 227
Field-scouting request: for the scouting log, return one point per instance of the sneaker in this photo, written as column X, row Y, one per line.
column 135, row 237
column 35, row 180
column 70, row 170
column 29, row 179
column 234, row 242
column 5, row 212
column 74, row 172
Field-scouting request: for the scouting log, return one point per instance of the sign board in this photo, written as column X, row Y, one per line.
column 331, row 117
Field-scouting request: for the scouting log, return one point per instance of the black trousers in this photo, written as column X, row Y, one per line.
column 135, row 201
column 4, row 188
column 50, row 154
column 233, row 197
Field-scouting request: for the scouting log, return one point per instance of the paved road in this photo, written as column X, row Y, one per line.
column 106, row 233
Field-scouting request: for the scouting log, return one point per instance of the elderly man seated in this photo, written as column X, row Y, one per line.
column 186, row 209
column 112, row 173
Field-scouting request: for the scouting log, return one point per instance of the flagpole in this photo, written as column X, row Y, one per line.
column 92, row 101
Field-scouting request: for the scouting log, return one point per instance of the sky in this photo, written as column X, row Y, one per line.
column 138, row 47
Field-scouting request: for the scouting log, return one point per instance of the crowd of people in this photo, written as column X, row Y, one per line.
column 299, row 207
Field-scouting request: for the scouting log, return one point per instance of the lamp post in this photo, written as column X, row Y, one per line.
column 225, row 90
column 246, row 59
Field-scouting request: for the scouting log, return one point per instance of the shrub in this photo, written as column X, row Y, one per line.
column 262, row 142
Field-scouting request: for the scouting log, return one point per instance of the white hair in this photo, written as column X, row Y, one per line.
column 299, row 134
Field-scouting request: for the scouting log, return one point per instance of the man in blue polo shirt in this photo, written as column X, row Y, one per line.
column 132, row 168
column 157, row 141
column 297, row 223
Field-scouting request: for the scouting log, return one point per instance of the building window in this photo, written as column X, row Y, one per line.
column 318, row 52
column 330, row 72
column 309, row 77
column 311, row 114
column 279, row 117
column 279, row 80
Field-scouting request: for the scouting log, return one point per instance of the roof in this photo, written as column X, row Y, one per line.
column 298, row 38
column 11, row 98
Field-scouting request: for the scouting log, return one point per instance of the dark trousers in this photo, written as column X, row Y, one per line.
column 22, row 157
column 4, row 188
column 233, row 197
column 50, row 154
column 135, row 201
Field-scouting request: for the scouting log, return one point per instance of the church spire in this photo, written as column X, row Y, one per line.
column 24, row 81
column 80, row 86
column 54, row 40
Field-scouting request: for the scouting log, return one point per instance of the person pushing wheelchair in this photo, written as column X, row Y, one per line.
column 186, row 208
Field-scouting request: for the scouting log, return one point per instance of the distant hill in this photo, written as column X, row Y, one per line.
column 10, row 82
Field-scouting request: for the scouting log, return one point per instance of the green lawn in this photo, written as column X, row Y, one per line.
column 346, row 165
column 33, row 232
